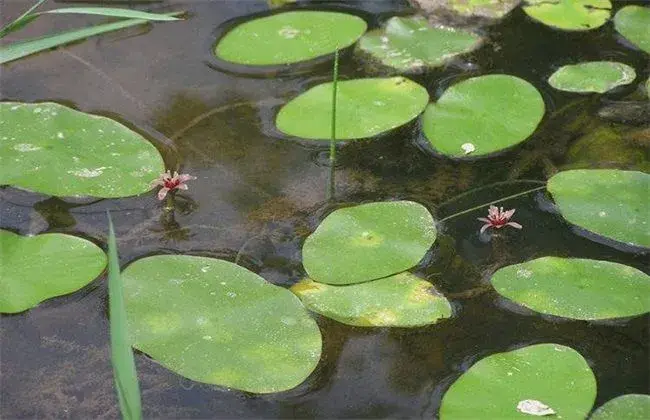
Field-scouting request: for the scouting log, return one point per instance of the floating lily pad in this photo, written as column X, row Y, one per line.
column 365, row 107
column 410, row 44
column 633, row 22
column 483, row 115
column 52, row 149
column 595, row 76
column 289, row 37
column 570, row 15
column 36, row 268
column 216, row 322
column 576, row 288
column 625, row 407
column 402, row 300
column 368, row 241
column 493, row 388
column 608, row 202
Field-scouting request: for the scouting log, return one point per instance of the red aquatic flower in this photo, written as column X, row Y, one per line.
column 497, row 218
column 171, row 183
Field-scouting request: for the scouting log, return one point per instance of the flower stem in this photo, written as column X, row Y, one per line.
column 491, row 202
column 335, row 79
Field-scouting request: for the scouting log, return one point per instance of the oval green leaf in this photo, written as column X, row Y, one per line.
column 633, row 22
column 409, row 44
column 570, row 15
column 625, row 407
column 215, row 322
column 365, row 108
column 52, row 149
column 368, row 241
column 608, row 202
column 554, row 375
column 402, row 300
column 289, row 37
column 575, row 288
column 595, row 76
column 483, row 115
column 36, row 268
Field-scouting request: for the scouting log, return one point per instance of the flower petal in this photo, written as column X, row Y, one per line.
column 514, row 225
column 485, row 226
column 162, row 193
column 182, row 186
column 186, row 177
column 483, row 219
column 508, row 214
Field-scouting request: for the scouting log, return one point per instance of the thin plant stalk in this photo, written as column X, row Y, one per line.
column 335, row 80
column 126, row 378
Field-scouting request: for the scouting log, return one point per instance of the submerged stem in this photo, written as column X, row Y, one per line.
column 492, row 202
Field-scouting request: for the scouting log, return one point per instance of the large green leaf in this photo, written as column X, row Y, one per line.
column 368, row 241
column 402, row 300
column 410, row 44
column 633, row 22
column 609, row 202
column 53, row 149
column 625, row 407
column 289, row 37
column 594, row 76
column 551, row 374
column 19, row 49
column 216, row 322
column 576, row 288
column 570, row 15
column 483, row 115
column 365, row 107
column 125, row 375
column 36, row 268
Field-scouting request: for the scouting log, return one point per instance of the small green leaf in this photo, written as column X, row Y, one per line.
column 402, row 300
column 608, row 202
column 36, row 268
column 126, row 378
column 551, row 374
column 594, row 76
column 289, row 37
column 215, row 322
column 368, row 241
column 570, row 15
column 21, row 49
column 625, row 407
column 576, row 288
column 365, row 108
column 52, row 149
column 633, row 22
column 483, row 115
column 410, row 44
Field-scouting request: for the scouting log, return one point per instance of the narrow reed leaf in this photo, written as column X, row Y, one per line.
column 21, row 21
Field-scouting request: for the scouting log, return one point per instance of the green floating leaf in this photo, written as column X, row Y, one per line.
column 215, row 322
column 483, row 115
column 36, row 268
column 368, row 241
column 625, row 407
column 608, row 202
column 126, row 377
column 633, row 22
column 576, row 288
column 289, row 37
column 595, row 76
column 20, row 49
column 410, row 44
column 402, row 300
column 365, row 108
column 494, row 387
column 570, row 15
column 53, row 149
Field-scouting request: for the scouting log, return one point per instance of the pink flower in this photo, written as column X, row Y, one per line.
column 171, row 183
column 497, row 218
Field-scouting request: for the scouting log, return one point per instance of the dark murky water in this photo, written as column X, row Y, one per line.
column 253, row 183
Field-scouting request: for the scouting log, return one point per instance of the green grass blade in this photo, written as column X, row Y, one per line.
column 112, row 12
column 22, row 20
column 21, row 49
column 126, row 378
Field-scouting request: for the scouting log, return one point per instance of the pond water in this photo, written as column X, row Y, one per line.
column 257, row 188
